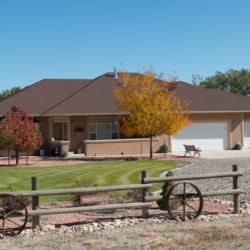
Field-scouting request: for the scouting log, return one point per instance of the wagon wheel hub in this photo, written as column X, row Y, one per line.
column 180, row 205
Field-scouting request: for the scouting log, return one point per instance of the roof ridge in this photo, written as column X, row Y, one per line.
column 93, row 80
column 212, row 96
column 73, row 79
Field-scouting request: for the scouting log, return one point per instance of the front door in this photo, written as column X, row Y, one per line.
column 58, row 131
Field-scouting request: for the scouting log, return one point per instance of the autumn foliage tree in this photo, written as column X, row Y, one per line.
column 153, row 107
column 18, row 132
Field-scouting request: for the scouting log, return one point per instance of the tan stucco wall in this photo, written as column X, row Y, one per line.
column 123, row 146
column 64, row 145
column 77, row 138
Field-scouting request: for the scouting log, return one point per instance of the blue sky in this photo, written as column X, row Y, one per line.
column 84, row 39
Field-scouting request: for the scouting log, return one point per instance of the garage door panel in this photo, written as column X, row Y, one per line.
column 247, row 135
column 211, row 136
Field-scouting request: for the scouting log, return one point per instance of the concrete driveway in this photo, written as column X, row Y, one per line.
column 219, row 154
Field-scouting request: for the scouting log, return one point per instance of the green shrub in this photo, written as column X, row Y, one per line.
column 165, row 188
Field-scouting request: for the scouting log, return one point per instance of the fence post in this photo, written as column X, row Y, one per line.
column 35, row 202
column 236, row 196
column 144, row 174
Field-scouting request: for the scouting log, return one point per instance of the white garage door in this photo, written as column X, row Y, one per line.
column 207, row 136
column 247, row 135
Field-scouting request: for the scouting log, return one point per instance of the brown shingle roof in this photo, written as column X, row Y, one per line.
column 76, row 96
column 95, row 98
column 42, row 96
column 202, row 99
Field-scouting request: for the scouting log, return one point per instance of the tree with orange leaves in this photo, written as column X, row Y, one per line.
column 153, row 107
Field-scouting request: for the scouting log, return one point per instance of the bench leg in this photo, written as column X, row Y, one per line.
column 197, row 152
column 187, row 152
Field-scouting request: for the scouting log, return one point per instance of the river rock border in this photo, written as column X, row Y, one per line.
column 119, row 223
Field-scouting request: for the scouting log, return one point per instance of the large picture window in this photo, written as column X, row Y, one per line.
column 103, row 131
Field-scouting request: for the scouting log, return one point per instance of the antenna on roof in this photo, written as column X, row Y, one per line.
column 115, row 76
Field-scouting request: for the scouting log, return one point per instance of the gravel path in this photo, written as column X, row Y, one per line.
column 229, row 234
column 203, row 166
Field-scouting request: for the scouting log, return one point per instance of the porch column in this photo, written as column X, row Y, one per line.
column 242, row 129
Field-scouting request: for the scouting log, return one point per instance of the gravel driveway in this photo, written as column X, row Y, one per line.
column 203, row 166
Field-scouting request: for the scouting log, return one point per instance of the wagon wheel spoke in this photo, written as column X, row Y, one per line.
column 175, row 208
column 184, row 198
column 4, row 204
column 191, row 207
column 12, row 212
column 177, row 197
column 192, row 197
column 14, row 222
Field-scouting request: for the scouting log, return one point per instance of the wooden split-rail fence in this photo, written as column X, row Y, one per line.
column 144, row 186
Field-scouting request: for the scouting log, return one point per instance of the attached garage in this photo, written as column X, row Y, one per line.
column 247, row 135
column 207, row 136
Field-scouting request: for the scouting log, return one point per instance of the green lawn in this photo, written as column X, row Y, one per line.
column 101, row 173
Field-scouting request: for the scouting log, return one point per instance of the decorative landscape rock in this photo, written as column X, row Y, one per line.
column 118, row 223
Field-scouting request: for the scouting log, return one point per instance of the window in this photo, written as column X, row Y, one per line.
column 103, row 131
column 60, row 128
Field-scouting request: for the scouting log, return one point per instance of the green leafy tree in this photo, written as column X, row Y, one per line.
column 8, row 92
column 235, row 81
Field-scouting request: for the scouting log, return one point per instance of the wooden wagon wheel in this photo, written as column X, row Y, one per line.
column 181, row 204
column 11, row 226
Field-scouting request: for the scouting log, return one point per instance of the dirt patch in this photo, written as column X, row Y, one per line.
column 218, row 234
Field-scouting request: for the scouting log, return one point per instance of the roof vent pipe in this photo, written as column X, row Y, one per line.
column 115, row 76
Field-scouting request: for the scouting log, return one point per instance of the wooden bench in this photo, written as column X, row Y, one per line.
column 189, row 148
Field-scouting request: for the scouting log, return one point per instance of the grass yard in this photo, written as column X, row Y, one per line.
column 101, row 173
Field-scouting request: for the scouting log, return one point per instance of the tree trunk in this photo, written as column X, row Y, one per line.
column 8, row 156
column 151, row 147
column 16, row 157
column 27, row 157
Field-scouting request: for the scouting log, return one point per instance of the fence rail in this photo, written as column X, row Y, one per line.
column 192, row 177
column 204, row 194
column 82, row 209
column 78, row 190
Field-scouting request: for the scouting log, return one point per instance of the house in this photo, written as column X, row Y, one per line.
column 80, row 111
